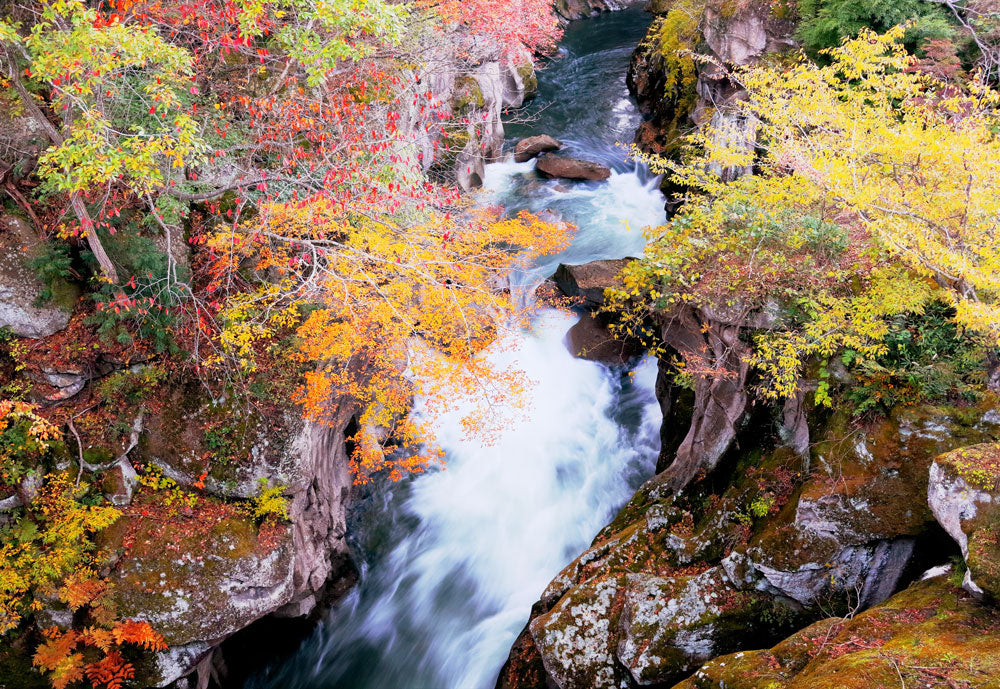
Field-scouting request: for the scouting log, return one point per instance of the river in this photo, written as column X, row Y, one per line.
column 452, row 560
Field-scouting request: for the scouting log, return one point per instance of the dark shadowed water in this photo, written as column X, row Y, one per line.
column 452, row 560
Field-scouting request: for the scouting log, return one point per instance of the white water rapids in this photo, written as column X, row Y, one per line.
column 452, row 560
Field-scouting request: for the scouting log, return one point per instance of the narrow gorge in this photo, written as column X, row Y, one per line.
column 583, row 344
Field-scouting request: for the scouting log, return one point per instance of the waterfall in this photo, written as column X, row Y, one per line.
column 453, row 559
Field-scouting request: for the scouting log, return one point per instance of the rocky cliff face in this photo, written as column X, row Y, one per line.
column 200, row 581
column 763, row 519
column 470, row 84
column 676, row 92
column 678, row 579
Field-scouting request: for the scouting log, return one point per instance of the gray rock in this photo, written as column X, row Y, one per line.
column 20, row 288
column 533, row 146
column 564, row 167
column 963, row 505
column 65, row 383
column 871, row 571
column 574, row 638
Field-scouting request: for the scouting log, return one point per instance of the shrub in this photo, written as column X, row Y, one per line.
column 269, row 502
column 146, row 305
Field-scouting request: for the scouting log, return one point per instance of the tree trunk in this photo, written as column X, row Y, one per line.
column 79, row 208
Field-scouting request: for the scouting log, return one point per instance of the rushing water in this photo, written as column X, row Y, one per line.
column 452, row 560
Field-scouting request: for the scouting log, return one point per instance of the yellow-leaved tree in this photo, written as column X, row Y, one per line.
column 875, row 195
column 382, row 309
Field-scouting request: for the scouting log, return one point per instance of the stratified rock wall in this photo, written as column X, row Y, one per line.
column 727, row 34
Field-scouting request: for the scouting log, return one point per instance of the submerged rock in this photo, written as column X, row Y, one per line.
column 564, row 167
column 533, row 146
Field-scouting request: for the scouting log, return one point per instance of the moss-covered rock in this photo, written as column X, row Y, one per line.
column 719, row 568
column 964, row 493
column 21, row 308
column 234, row 446
column 196, row 574
column 930, row 635
column 468, row 95
column 575, row 637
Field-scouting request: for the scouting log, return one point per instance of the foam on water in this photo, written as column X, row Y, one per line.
column 492, row 529
column 452, row 560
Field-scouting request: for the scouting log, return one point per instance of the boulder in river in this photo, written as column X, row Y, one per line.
column 533, row 146
column 564, row 167
column 590, row 339
column 588, row 281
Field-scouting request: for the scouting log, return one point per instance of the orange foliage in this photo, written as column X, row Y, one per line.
column 396, row 309
column 64, row 653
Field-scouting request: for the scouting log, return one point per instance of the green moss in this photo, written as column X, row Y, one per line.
column 978, row 465
column 454, row 140
column 178, row 577
column 930, row 626
column 468, row 95
column 235, row 538
column 97, row 455
column 526, row 71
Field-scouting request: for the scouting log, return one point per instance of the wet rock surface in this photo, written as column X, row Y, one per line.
column 569, row 10
column 590, row 339
column 533, row 146
column 564, row 167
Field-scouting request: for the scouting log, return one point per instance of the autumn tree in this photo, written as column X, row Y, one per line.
column 875, row 197
column 286, row 139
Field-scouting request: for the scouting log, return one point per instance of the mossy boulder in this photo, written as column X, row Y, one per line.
column 669, row 625
column 732, row 565
column 468, row 95
column 929, row 635
column 964, row 494
column 575, row 637
column 21, row 307
column 232, row 445
column 196, row 574
column 854, row 520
